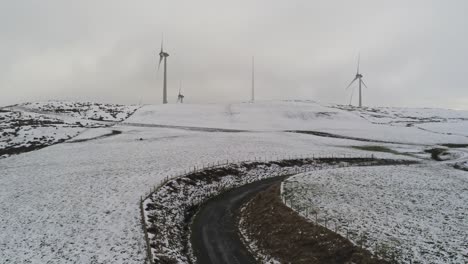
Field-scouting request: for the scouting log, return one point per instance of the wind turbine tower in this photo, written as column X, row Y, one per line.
column 359, row 77
column 253, row 79
column 163, row 56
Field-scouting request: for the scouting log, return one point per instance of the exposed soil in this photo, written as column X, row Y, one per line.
column 376, row 149
column 462, row 167
column 21, row 149
column 202, row 129
column 284, row 235
column 113, row 133
column 450, row 145
column 436, row 153
column 325, row 134
column 87, row 110
column 383, row 149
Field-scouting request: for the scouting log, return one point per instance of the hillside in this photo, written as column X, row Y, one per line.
column 32, row 126
column 77, row 202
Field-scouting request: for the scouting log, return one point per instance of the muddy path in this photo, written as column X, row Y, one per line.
column 191, row 128
column 112, row 133
column 330, row 135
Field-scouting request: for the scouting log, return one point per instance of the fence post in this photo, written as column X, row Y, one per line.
column 149, row 253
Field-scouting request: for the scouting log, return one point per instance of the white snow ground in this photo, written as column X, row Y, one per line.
column 298, row 115
column 78, row 202
column 419, row 210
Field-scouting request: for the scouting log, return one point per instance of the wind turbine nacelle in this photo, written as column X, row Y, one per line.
column 359, row 75
column 163, row 54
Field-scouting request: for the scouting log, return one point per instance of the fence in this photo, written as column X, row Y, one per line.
column 361, row 238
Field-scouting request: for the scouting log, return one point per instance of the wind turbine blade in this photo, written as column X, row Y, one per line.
column 363, row 83
column 358, row 62
column 160, row 60
column 351, row 82
column 161, row 51
column 162, row 42
column 351, row 97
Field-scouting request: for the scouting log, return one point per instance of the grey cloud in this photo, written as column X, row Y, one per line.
column 413, row 53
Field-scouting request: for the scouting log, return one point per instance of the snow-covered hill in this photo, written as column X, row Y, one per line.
column 392, row 124
column 32, row 126
column 77, row 202
column 81, row 110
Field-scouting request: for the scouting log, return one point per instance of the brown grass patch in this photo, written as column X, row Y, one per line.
column 288, row 237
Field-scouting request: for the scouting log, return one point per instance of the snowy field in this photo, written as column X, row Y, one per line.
column 77, row 202
column 404, row 116
column 420, row 211
column 302, row 115
column 454, row 127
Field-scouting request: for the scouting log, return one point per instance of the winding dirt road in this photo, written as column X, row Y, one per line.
column 215, row 236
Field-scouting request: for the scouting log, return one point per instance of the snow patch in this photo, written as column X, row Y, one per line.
column 419, row 211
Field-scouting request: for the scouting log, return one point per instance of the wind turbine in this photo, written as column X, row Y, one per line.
column 361, row 82
column 163, row 56
column 180, row 97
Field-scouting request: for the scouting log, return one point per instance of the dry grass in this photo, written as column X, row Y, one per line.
column 290, row 238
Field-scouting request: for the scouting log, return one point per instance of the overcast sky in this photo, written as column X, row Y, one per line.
column 413, row 53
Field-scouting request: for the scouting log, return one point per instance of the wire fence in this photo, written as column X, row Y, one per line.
column 229, row 162
column 390, row 251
